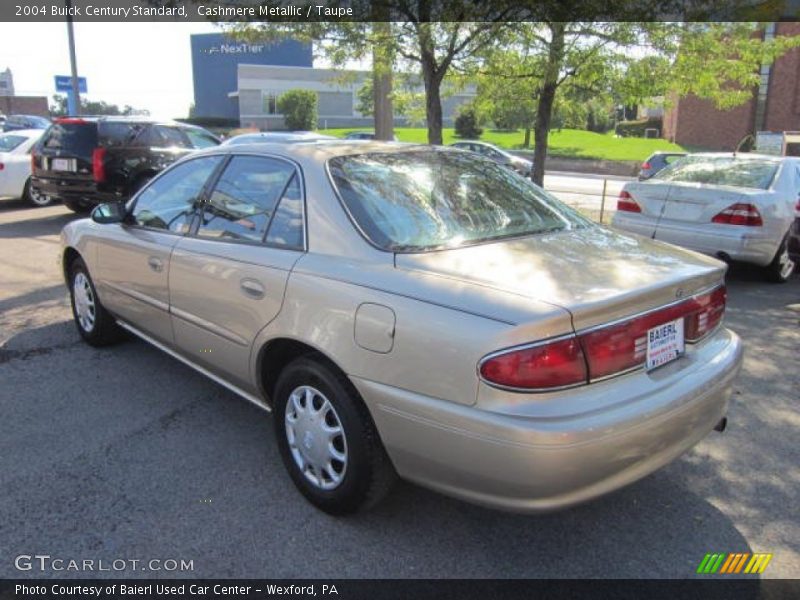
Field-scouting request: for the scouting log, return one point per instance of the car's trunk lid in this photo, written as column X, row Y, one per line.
column 699, row 203
column 596, row 274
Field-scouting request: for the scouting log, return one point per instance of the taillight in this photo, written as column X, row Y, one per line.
column 646, row 166
column 739, row 214
column 548, row 365
column 626, row 203
column 2, row 166
column 605, row 351
column 98, row 164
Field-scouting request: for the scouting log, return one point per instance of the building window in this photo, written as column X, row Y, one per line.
column 269, row 102
column 3, row 84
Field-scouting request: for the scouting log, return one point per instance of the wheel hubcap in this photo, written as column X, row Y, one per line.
column 83, row 299
column 38, row 198
column 786, row 264
column 316, row 437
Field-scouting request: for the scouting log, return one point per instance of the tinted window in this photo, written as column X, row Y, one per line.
column 287, row 225
column 9, row 142
column 169, row 202
column 166, row 137
column 116, row 133
column 244, row 198
column 407, row 201
column 200, row 139
column 721, row 170
column 75, row 138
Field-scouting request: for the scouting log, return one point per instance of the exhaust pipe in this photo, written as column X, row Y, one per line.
column 723, row 423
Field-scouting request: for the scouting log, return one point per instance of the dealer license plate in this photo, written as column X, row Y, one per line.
column 62, row 164
column 664, row 343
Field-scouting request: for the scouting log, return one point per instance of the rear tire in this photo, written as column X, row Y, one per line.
column 76, row 207
column 782, row 266
column 328, row 442
column 95, row 324
column 34, row 196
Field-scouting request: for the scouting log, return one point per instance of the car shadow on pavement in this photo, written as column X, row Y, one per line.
column 42, row 226
column 141, row 456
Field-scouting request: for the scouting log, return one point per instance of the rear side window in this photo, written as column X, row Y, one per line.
column 164, row 136
column 117, row 133
column 9, row 142
column 243, row 201
column 200, row 139
column 73, row 138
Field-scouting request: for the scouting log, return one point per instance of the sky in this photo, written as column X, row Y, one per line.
column 145, row 65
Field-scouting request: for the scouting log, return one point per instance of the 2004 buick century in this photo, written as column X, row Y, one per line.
column 415, row 311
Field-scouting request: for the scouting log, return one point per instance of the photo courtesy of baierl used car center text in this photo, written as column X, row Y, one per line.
column 391, row 299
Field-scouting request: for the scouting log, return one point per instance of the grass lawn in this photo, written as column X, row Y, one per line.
column 573, row 143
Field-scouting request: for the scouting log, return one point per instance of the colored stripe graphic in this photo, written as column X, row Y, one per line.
column 733, row 563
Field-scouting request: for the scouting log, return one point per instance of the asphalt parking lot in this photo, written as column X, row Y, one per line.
column 126, row 453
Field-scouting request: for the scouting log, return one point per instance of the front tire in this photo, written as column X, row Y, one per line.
column 34, row 196
column 95, row 324
column 782, row 266
column 327, row 439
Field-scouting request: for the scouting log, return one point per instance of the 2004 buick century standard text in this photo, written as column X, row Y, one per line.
column 415, row 311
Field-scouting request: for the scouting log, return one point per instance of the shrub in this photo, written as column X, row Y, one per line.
column 299, row 109
column 466, row 123
column 636, row 128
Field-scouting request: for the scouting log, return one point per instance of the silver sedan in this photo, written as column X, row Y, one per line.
column 414, row 311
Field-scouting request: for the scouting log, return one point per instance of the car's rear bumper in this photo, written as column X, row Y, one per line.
column 83, row 192
column 531, row 464
column 746, row 244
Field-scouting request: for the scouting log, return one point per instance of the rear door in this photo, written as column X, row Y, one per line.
column 227, row 281
column 134, row 258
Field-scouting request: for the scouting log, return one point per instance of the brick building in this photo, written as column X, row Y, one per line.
column 775, row 106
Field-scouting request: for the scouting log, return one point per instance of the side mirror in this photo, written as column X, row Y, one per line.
column 110, row 212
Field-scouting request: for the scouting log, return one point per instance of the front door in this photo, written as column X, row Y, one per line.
column 134, row 261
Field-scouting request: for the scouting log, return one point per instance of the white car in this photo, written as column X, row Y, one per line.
column 737, row 207
column 15, row 166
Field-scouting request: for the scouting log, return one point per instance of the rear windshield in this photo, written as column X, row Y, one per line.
column 722, row 170
column 427, row 199
column 76, row 139
column 119, row 133
column 8, row 142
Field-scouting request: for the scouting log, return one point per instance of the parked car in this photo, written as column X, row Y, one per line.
column 414, row 310
column 515, row 163
column 286, row 137
column 86, row 161
column 15, row 166
column 733, row 206
column 365, row 135
column 16, row 122
column 656, row 162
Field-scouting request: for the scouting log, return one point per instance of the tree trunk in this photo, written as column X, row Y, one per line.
column 527, row 142
column 382, row 63
column 432, row 79
column 546, row 100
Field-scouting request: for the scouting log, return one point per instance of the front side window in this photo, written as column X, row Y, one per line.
column 425, row 199
column 241, row 206
column 169, row 202
column 721, row 170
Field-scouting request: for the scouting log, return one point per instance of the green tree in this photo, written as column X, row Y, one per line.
column 89, row 107
column 299, row 109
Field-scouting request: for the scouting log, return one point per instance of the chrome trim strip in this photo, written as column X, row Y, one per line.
column 209, row 326
column 240, row 392
column 138, row 296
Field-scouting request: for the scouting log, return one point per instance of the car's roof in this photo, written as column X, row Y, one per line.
column 320, row 149
column 745, row 156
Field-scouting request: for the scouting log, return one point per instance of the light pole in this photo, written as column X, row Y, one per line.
column 74, row 99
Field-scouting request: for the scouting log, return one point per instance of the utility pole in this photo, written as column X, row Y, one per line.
column 75, row 97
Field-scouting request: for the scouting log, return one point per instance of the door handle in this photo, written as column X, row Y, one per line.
column 252, row 288
column 156, row 264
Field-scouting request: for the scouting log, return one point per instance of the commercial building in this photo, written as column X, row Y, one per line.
column 6, row 83
column 244, row 80
column 774, row 105
column 11, row 104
